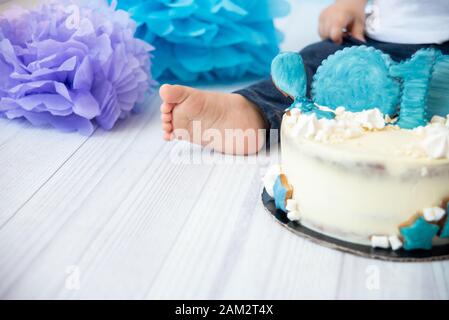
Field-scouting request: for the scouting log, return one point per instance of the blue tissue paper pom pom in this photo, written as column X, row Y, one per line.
column 204, row 40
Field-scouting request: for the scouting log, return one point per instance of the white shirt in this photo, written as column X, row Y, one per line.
column 409, row 21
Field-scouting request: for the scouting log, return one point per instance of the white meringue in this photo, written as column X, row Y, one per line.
column 436, row 140
column 434, row 214
column 395, row 242
column 380, row 242
column 294, row 216
column 291, row 205
column 346, row 125
column 270, row 178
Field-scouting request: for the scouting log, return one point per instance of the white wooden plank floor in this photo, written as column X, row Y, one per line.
column 137, row 224
column 117, row 213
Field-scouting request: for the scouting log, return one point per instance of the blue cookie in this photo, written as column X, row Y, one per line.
column 289, row 75
column 419, row 234
column 438, row 99
column 415, row 75
column 357, row 78
column 445, row 229
column 282, row 192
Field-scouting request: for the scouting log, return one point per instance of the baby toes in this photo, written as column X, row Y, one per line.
column 167, row 107
column 166, row 117
column 168, row 136
column 167, row 127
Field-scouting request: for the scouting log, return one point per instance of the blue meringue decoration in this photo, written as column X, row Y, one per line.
column 438, row 99
column 290, row 76
column 288, row 70
column 358, row 79
column 415, row 74
column 206, row 40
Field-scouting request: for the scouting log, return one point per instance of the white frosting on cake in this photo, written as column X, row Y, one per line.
column 270, row 178
column 432, row 141
column 435, row 138
column 345, row 125
column 366, row 182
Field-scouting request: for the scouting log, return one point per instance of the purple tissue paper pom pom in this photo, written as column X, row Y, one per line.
column 71, row 66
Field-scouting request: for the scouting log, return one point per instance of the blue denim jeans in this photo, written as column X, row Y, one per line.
column 272, row 103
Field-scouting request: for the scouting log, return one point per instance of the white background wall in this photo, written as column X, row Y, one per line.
column 303, row 16
column 300, row 27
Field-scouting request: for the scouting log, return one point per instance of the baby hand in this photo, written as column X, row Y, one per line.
column 343, row 14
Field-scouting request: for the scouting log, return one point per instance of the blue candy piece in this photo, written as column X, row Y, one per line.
column 357, row 78
column 438, row 99
column 282, row 192
column 415, row 74
column 445, row 229
column 419, row 235
column 289, row 75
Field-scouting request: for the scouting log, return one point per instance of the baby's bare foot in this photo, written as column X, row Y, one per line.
column 227, row 123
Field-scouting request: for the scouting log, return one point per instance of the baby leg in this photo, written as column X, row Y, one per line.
column 227, row 123
column 205, row 118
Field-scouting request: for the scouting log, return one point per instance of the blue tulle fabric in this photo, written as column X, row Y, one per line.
column 205, row 40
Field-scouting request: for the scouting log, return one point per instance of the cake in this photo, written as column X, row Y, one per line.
column 366, row 160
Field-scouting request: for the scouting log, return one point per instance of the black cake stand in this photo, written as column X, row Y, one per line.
column 437, row 253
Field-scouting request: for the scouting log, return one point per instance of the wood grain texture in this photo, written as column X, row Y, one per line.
column 137, row 219
column 28, row 160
